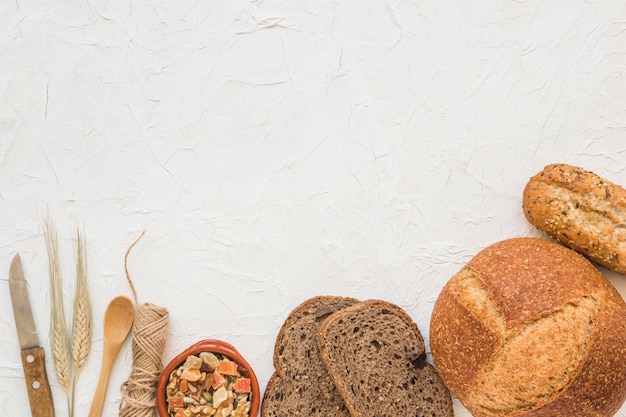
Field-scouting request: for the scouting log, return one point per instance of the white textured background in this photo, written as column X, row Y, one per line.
column 273, row 151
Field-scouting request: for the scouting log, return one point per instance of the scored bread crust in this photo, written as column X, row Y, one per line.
column 376, row 356
column 300, row 384
column 581, row 210
column 529, row 328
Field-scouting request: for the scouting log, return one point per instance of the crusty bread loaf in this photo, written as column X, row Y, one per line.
column 531, row 328
column 581, row 210
column 375, row 354
column 301, row 385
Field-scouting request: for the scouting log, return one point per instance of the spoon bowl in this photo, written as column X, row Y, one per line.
column 118, row 320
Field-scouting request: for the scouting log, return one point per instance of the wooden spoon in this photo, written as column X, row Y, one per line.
column 118, row 320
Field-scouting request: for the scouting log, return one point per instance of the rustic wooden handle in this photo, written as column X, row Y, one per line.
column 39, row 394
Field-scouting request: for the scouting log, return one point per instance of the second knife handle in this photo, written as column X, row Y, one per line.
column 37, row 385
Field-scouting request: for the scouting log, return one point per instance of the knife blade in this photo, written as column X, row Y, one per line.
column 33, row 355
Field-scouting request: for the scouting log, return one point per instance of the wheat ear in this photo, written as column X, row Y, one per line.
column 59, row 340
column 82, row 320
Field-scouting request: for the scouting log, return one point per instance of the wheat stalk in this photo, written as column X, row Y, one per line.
column 82, row 320
column 59, row 340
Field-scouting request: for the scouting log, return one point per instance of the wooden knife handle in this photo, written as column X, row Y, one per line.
column 39, row 394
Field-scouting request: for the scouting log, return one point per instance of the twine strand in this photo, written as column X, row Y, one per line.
column 148, row 343
column 130, row 281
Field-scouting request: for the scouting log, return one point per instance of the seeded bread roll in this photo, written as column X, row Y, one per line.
column 375, row 354
column 530, row 328
column 580, row 210
column 301, row 385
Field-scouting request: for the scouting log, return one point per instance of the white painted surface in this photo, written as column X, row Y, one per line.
column 273, row 151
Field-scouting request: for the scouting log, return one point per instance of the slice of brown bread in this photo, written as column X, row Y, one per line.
column 375, row 353
column 301, row 385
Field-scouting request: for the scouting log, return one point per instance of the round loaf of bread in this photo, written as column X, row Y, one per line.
column 531, row 328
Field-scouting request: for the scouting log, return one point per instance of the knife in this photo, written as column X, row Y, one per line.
column 33, row 359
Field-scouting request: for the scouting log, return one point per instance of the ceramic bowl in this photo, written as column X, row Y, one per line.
column 209, row 345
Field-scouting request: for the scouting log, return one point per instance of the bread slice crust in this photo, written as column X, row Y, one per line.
column 375, row 354
column 301, row 385
column 531, row 328
column 580, row 210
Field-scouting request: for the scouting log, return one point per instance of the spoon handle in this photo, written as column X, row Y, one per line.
column 103, row 381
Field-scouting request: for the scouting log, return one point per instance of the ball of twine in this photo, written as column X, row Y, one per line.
column 149, row 334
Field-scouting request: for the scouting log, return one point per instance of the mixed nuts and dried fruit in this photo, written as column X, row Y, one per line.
column 209, row 384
